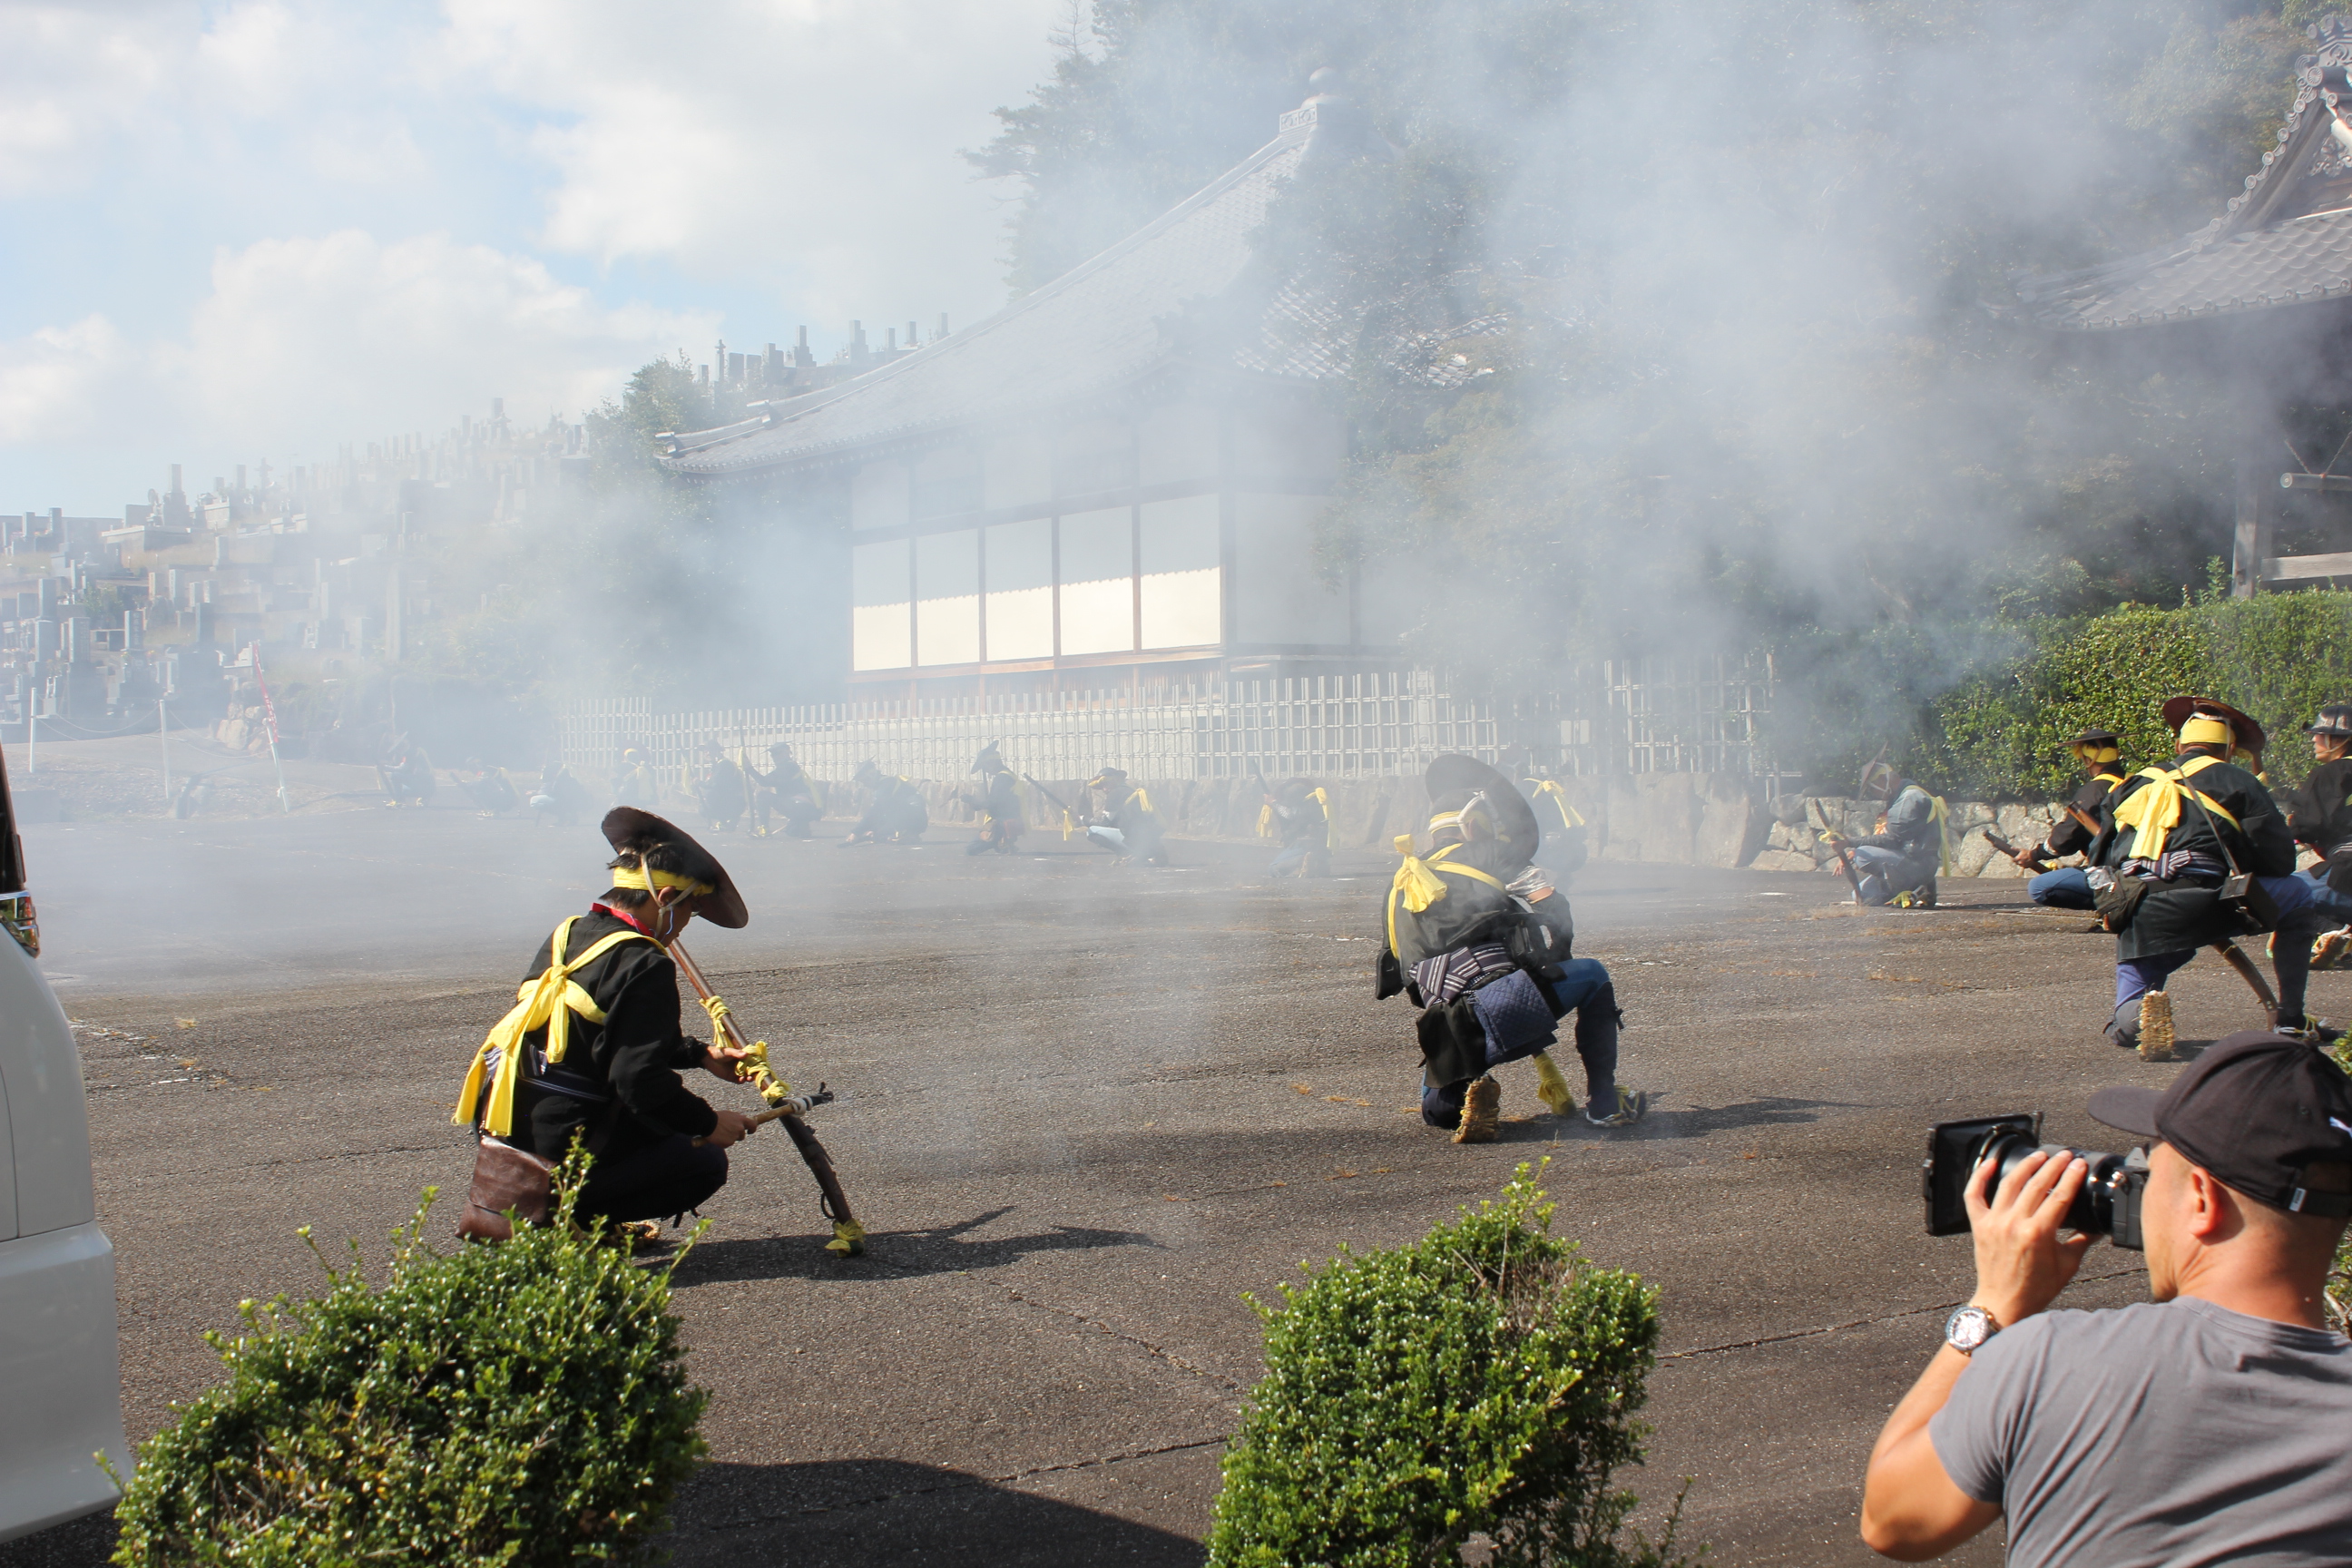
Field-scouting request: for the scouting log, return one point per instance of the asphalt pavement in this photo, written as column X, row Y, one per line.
column 1092, row 1107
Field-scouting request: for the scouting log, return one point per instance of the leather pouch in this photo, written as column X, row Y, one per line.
column 505, row 1177
column 1453, row 1042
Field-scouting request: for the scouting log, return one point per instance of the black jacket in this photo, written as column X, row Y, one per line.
column 618, row 1080
column 1300, row 819
column 2069, row 837
column 2185, row 911
column 998, row 797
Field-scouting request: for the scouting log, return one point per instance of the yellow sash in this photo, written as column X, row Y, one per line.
column 1568, row 816
column 546, row 1000
column 2156, row 810
column 1417, row 884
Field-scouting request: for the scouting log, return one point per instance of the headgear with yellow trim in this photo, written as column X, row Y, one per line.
column 2206, row 721
column 2097, row 745
column 1498, row 810
column 666, row 857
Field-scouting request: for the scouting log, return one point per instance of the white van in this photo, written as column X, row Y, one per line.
column 60, row 1383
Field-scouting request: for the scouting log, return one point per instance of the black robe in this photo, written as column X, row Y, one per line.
column 621, row 1074
column 2181, row 913
column 2319, row 813
column 2069, row 837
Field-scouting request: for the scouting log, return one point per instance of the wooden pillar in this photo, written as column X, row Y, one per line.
column 2255, row 511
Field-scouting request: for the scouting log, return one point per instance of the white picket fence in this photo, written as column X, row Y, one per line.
column 1619, row 717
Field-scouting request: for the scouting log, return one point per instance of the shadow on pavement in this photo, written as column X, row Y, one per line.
column 895, row 1255
column 1664, row 1126
column 863, row 1511
column 84, row 1544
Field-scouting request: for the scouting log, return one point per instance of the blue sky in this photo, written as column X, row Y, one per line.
column 249, row 232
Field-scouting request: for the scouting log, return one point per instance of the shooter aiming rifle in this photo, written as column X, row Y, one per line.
column 848, row 1235
column 1069, row 818
column 2228, row 951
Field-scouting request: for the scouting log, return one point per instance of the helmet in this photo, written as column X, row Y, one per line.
column 2335, row 719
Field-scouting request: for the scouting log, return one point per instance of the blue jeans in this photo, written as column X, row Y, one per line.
column 2067, row 889
column 1884, row 873
column 2333, row 906
column 1301, row 857
column 1584, row 989
column 2302, row 914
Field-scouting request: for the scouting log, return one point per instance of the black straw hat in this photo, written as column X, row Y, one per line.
column 2335, row 719
column 1515, row 820
column 633, row 832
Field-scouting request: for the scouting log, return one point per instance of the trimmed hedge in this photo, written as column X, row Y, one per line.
column 2279, row 656
column 1481, row 1380
column 522, row 1404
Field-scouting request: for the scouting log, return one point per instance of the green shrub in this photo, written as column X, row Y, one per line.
column 516, row 1404
column 1483, row 1379
column 2277, row 655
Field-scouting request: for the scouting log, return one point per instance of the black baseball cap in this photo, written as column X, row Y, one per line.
column 2257, row 1110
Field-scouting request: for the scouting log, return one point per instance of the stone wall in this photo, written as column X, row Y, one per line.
column 1792, row 842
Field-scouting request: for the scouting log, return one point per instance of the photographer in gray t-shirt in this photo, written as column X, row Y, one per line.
column 2213, row 1424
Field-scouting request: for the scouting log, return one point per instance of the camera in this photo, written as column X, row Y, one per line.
column 2108, row 1204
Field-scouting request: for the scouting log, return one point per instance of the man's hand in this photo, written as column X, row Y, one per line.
column 2021, row 1265
column 2028, row 859
column 732, row 1127
column 719, row 1061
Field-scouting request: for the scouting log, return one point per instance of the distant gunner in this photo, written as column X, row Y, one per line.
column 895, row 812
column 593, row 1047
column 1126, row 824
column 1477, row 937
column 559, row 798
column 1898, row 864
column 2069, row 887
column 407, row 774
column 720, row 788
column 2319, row 813
column 633, row 783
column 997, row 803
column 2171, row 838
column 785, row 794
column 1297, row 815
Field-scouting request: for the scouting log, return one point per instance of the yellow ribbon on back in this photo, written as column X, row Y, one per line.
column 2156, row 810
column 1139, row 800
column 1418, row 884
column 546, row 1000
column 1265, row 820
column 1569, row 816
column 1323, row 800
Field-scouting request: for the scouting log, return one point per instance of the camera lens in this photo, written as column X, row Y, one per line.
column 2093, row 1212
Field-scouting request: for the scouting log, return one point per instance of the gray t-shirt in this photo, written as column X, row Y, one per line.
column 2160, row 1436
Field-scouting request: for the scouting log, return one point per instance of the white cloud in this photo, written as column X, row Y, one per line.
column 808, row 144
column 318, row 341
column 305, row 344
column 58, row 384
column 72, row 79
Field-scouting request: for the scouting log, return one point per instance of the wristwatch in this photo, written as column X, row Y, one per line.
column 1969, row 1328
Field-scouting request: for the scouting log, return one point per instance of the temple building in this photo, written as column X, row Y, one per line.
column 2261, row 298
column 1115, row 481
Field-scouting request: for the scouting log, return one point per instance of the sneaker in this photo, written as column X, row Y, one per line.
column 1480, row 1110
column 2311, row 1031
column 1633, row 1105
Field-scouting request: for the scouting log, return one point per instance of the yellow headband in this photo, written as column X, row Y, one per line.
column 646, row 882
column 2204, row 730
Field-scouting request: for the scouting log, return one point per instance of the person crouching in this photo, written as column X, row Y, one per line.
column 592, row 1050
